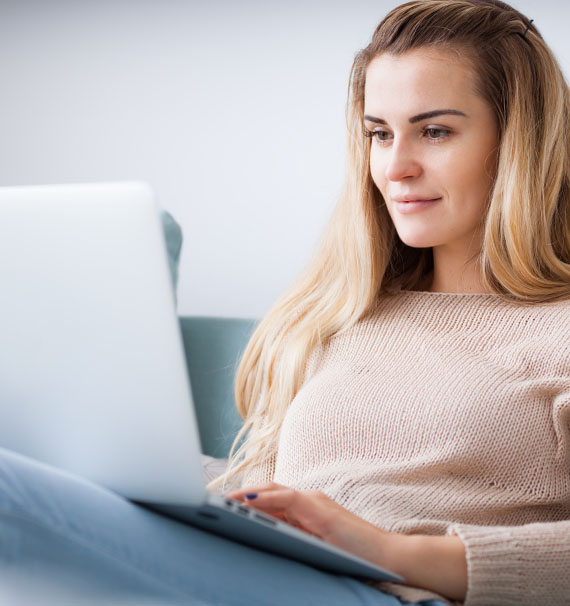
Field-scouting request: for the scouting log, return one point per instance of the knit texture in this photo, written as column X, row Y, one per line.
column 446, row 414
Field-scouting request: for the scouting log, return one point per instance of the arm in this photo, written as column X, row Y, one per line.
column 482, row 565
column 515, row 565
column 434, row 563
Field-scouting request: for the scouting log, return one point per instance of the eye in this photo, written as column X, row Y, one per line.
column 435, row 134
column 381, row 136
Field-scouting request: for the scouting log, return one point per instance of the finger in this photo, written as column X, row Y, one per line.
column 274, row 501
column 283, row 505
column 240, row 494
column 252, row 490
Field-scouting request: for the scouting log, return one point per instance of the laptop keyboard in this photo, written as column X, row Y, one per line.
column 249, row 512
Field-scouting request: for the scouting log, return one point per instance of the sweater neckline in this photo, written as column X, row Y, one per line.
column 447, row 294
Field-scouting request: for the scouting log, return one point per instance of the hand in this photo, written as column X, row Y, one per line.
column 437, row 563
column 317, row 514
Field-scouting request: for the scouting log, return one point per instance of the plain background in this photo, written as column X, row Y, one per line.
column 232, row 111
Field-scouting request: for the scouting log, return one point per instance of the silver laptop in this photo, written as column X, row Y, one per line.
column 93, row 376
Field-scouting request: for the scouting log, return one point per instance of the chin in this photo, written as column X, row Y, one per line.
column 418, row 240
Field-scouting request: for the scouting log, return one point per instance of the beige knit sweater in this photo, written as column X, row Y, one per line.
column 447, row 414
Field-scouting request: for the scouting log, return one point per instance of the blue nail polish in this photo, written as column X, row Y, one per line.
column 251, row 496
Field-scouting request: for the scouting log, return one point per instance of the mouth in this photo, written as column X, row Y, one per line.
column 414, row 205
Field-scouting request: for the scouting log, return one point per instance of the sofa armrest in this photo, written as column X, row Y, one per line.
column 213, row 347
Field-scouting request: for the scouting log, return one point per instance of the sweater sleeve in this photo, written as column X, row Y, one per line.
column 517, row 565
column 526, row 563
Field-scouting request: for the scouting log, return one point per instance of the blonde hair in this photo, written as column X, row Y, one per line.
column 526, row 250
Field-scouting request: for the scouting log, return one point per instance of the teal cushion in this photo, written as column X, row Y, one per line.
column 213, row 348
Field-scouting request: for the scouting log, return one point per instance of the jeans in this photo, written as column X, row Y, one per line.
column 67, row 541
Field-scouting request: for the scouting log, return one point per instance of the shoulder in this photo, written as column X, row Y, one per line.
column 541, row 333
column 551, row 314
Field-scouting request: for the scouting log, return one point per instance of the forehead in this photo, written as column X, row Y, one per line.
column 419, row 80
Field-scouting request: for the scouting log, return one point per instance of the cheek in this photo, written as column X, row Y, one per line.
column 479, row 161
column 469, row 187
column 477, row 180
column 464, row 173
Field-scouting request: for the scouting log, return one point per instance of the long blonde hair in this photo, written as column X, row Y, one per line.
column 526, row 250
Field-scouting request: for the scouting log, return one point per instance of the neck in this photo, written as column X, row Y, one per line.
column 456, row 273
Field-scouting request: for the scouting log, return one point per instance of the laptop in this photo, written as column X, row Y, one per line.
column 93, row 376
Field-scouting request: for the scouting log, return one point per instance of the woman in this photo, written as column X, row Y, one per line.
column 429, row 430
column 409, row 398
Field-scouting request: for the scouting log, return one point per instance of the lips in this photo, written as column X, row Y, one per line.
column 414, row 198
column 408, row 205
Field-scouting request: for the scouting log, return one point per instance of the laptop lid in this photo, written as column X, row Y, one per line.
column 92, row 371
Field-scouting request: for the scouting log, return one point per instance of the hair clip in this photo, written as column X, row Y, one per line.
column 526, row 30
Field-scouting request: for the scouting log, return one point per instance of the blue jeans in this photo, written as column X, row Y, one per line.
column 67, row 541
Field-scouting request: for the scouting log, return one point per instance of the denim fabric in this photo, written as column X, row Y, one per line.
column 66, row 541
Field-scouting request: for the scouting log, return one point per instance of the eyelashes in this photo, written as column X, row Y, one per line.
column 374, row 135
column 427, row 133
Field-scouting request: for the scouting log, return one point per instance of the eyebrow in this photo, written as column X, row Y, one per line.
column 420, row 117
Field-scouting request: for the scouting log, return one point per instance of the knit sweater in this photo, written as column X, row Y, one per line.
column 446, row 414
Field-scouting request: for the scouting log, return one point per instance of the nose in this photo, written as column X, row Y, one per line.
column 402, row 162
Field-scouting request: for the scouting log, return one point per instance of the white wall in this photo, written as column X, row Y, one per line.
column 233, row 111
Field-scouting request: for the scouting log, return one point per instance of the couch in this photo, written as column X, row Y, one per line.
column 213, row 347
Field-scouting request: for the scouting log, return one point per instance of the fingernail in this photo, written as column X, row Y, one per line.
column 252, row 495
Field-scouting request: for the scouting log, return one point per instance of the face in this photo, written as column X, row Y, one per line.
column 435, row 172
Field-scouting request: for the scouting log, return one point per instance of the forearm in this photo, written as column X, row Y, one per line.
column 435, row 563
